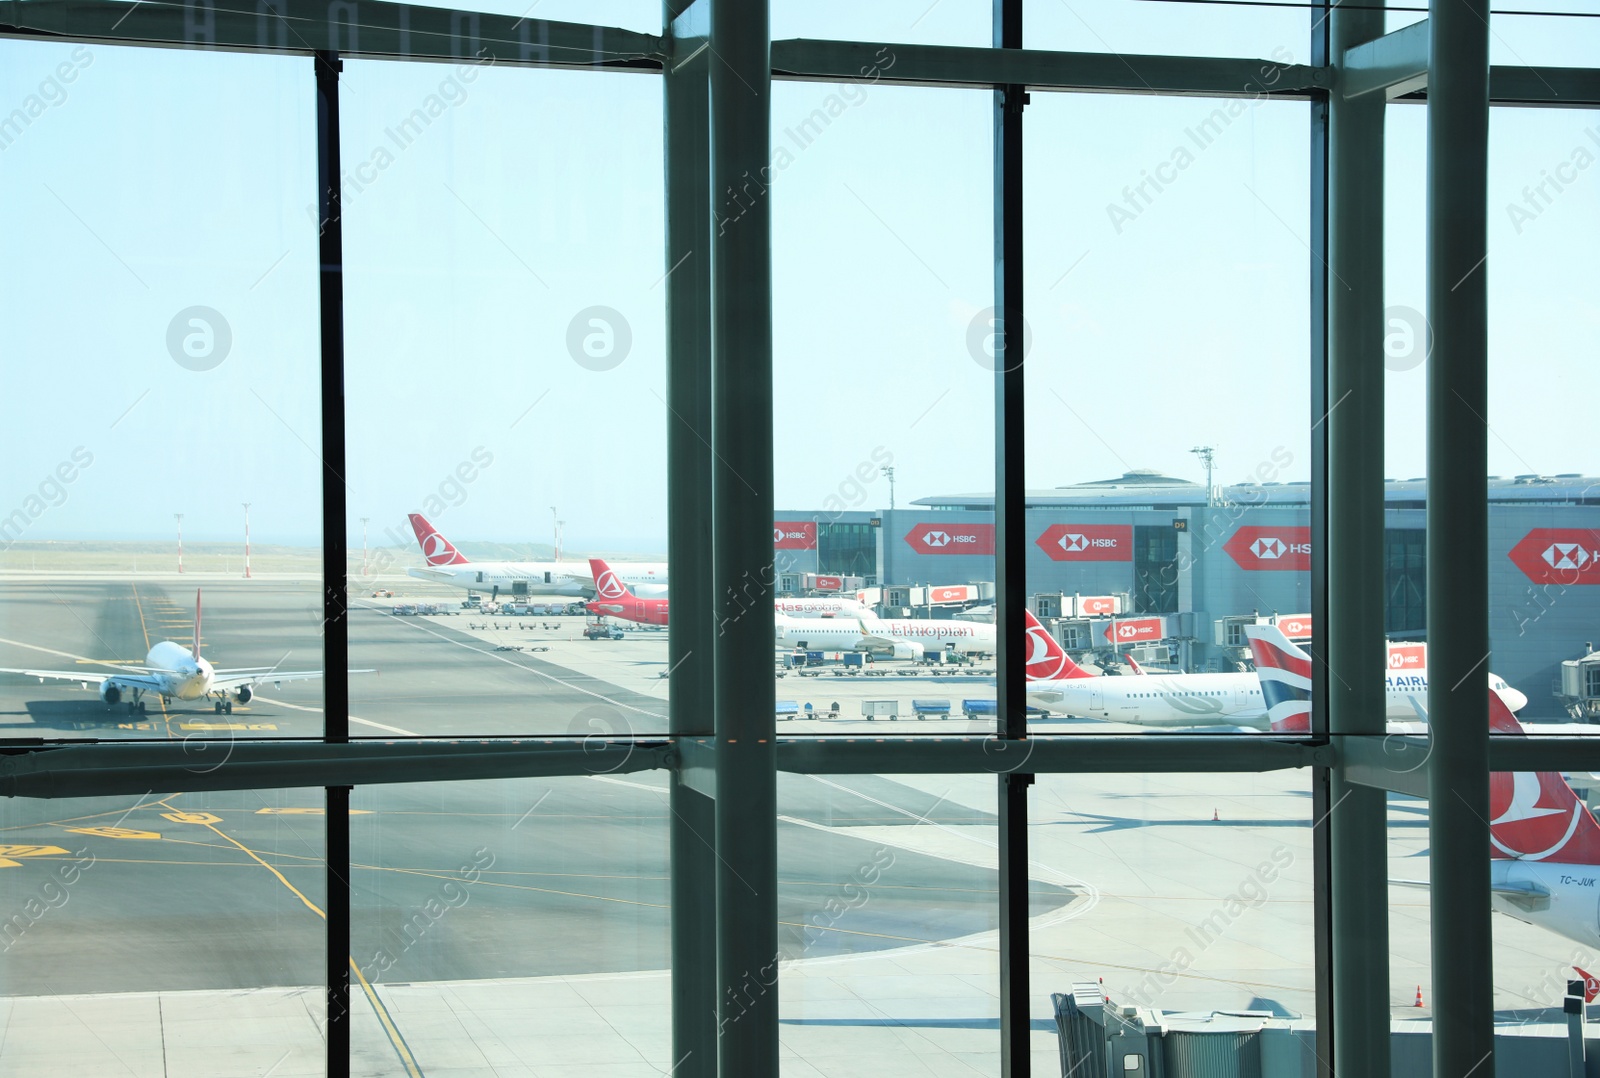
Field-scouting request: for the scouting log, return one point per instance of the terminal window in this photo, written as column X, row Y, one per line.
column 1155, row 569
column 1405, row 580
column 847, row 550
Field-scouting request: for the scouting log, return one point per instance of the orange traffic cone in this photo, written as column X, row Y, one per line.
column 1214, row 817
column 1418, row 1003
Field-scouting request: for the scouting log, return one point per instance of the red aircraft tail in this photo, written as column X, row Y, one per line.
column 1046, row 660
column 436, row 549
column 1534, row 815
column 607, row 584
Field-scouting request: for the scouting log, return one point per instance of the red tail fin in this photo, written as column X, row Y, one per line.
column 1534, row 815
column 1046, row 660
column 1285, row 674
column 436, row 549
column 607, row 584
column 197, row 624
column 1135, row 667
column 1591, row 984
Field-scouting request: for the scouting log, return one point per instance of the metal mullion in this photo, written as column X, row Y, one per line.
column 335, row 623
column 691, row 635
column 1459, row 903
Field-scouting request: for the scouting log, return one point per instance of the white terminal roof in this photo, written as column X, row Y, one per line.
column 1144, row 488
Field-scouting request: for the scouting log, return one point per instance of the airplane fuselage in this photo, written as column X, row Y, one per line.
column 182, row 675
column 1560, row 898
column 647, row 580
column 846, row 634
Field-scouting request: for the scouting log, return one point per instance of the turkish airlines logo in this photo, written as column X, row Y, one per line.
column 1525, row 825
column 1045, row 661
column 1563, row 556
column 1282, row 549
column 607, row 586
column 436, row 550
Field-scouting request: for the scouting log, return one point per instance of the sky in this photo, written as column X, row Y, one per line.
column 504, row 268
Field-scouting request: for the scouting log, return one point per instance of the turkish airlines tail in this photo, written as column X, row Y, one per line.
column 436, row 549
column 1534, row 815
column 1591, row 984
column 1046, row 660
column 1135, row 667
column 607, row 585
column 1285, row 673
column 197, row 624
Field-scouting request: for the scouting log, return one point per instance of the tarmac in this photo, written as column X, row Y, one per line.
column 519, row 927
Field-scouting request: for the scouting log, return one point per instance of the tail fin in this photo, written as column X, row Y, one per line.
column 1534, row 815
column 1046, row 660
column 607, row 584
column 1591, row 984
column 436, row 549
column 1137, row 669
column 1285, row 673
column 197, row 624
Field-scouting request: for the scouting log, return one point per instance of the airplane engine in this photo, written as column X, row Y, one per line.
column 109, row 692
column 905, row 649
column 244, row 694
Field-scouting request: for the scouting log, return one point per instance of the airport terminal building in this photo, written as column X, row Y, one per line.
column 1186, row 570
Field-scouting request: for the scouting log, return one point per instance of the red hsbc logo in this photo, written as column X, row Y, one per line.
column 794, row 535
column 1559, row 556
column 1087, row 542
column 1295, row 626
column 956, row 594
column 1271, row 548
column 1134, row 630
column 951, row 538
column 1408, row 656
column 1090, row 605
column 828, row 583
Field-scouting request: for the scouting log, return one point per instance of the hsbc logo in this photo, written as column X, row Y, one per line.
column 1273, row 549
column 1567, row 556
column 942, row 539
column 1074, row 542
column 951, row 539
column 1270, row 548
column 777, row 535
column 1396, row 660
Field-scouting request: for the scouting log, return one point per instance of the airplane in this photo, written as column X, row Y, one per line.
column 902, row 638
column 447, row 565
column 1285, row 673
column 175, row 672
column 615, row 598
column 1162, row 700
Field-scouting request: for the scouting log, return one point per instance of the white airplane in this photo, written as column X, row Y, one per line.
column 447, row 565
column 1285, row 673
column 902, row 638
column 175, row 672
column 1161, row 700
column 821, row 606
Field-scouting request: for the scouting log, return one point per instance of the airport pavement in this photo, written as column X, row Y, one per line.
column 519, row 926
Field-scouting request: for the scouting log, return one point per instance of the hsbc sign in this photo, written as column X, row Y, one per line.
column 1271, row 548
column 951, row 538
column 1408, row 656
column 1559, row 556
column 1087, row 542
column 1134, row 630
column 794, row 535
column 1295, row 626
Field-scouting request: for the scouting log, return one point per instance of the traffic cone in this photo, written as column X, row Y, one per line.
column 1418, row 1003
column 1214, row 817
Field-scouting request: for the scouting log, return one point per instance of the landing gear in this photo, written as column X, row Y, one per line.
column 217, row 707
column 227, row 707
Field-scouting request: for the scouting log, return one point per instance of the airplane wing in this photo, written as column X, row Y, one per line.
column 120, row 678
column 256, row 675
column 877, row 640
column 232, row 679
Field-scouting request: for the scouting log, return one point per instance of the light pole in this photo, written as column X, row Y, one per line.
column 364, row 545
column 246, row 539
column 555, row 527
column 888, row 470
column 179, row 518
column 1208, row 457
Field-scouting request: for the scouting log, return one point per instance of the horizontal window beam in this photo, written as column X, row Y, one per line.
column 1395, row 63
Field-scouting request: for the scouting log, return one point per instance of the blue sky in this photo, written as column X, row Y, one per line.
column 481, row 239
